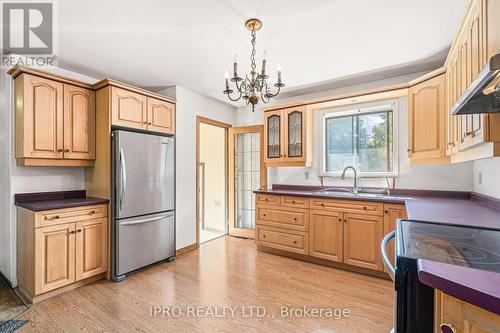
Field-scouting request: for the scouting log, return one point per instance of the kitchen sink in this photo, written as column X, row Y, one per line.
column 353, row 195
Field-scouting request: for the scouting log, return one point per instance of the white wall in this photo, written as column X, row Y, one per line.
column 448, row 177
column 189, row 105
column 490, row 174
column 14, row 179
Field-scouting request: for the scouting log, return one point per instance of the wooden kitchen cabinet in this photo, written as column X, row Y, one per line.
column 91, row 248
column 60, row 249
column 326, row 235
column 426, row 120
column 128, row 109
column 55, row 120
column 79, row 123
column 461, row 316
column 392, row 213
column 288, row 137
column 362, row 237
column 161, row 116
column 54, row 257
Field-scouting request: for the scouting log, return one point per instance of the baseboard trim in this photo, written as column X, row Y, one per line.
column 186, row 249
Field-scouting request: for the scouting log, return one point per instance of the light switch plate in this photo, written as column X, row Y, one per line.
column 480, row 178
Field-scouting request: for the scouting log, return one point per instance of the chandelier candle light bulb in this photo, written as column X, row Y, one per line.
column 254, row 86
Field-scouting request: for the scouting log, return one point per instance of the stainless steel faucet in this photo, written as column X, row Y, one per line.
column 355, row 187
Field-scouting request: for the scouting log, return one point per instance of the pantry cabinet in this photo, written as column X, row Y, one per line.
column 55, row 122
column 60, row 248
column 288, row 137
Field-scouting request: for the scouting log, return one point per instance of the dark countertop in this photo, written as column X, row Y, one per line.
column 478, row 287
column 56, row 200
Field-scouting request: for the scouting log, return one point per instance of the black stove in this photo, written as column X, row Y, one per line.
column 457, row 245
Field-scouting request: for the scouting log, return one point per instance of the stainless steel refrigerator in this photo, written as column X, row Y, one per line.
column 143, row 201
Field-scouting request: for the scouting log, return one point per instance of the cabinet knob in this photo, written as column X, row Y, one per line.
column 386, row 211
column 266, row 199
column 294, row 242
column 52, row 218
column 150, row 123
column 72, row 232
column 263, row 214
column 345, row 221
column 340, row 220
column 59, row 150
column 322, row 204
column 408, row 150
column 66, row 150
column 263, row 236
column 79, row 230
column 295, row 219
column 448, row 328
column 364, row 207
column 145, row 122
column 293, row 201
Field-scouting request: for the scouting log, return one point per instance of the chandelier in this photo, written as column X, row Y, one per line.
column 254, row 86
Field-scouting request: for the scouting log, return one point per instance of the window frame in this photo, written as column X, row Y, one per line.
column 353, row 110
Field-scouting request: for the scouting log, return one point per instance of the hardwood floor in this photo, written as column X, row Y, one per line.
column 225, row 272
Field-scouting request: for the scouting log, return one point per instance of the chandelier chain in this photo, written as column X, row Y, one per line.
column 252, row 56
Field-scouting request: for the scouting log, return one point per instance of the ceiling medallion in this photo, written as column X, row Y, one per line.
column 254, row 86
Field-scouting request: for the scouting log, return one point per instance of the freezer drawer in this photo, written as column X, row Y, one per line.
column 144, row 240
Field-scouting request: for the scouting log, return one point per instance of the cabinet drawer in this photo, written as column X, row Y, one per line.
column 267, row 199
column 297, row 202
column 349, row 206
column 290, row 218
column 283, row 239
column 58, row 216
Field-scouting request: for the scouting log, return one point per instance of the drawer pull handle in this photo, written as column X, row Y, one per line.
column 52, row 218
column 266, row 199
column 293, row 201
column 322, row 204
column 448, row 328
column 295, row 219
column 92, row 212
column 263, row 214
column 263, row 236
column 294, row 242
column 364, row 207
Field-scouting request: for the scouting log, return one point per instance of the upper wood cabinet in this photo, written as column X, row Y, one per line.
column 55, row 123
column 426, row 121
column 287, row 137
column 136, row 110
column 161, row 116
column 79, row 123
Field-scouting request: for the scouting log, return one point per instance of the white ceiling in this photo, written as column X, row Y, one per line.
column 191, row 42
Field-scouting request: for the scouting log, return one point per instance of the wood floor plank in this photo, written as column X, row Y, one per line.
column 225, row 272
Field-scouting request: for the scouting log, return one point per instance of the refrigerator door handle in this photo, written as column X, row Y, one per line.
column 385, row 258
column 152, row 219
column 123, row 174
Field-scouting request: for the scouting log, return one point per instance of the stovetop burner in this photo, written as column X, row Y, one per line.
column 463, row 246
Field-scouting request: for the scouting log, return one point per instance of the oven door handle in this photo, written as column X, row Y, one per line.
column 385, row 258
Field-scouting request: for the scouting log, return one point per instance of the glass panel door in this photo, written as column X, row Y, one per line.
column 274, row 137
column 295, row 134
column 247, row 175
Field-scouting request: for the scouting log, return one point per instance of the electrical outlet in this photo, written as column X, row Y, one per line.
column 480, row 178
column 217, row 203
column 306, row 174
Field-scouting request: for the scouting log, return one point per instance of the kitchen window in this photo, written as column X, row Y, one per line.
column 364, row 137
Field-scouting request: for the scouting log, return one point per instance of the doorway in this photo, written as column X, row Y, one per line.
column 247, row 173
column 211, row 179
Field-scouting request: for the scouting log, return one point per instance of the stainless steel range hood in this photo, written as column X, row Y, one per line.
column 483, row 96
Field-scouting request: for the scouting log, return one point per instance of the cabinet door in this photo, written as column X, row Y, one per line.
column 325, row 235
column 39, row 126
column 426, row 119
column 491, row 24
column 79, row 123
column 391, row 214
column 362, row 237
column 54, row 257
column 452, row 313
column 128, row 109
column 273, row 136
column 91, row 249
column 295, row 133
column 161, row 116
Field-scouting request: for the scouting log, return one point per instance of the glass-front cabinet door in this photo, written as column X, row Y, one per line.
column 295, row 133
column 274, row 150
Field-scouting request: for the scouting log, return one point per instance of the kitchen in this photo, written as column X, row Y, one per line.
column 378, row 185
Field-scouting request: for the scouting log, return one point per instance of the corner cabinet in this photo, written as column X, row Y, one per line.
column 426, row 120
column 288, row 137
column 54, row 122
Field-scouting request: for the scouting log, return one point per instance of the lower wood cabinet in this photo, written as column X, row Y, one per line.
column 362, row 237
column 326, row 235
column 344, row 231
column 454, row 315
column 66, row 249
column 392, row 213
